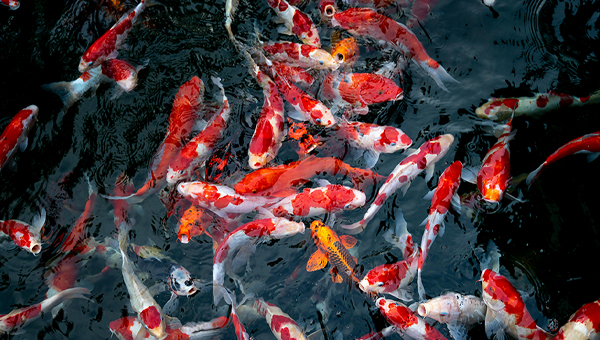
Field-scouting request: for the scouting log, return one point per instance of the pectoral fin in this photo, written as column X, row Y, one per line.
column 335, row 277
column 348, row 241
column 318, row 260
column 23, row 145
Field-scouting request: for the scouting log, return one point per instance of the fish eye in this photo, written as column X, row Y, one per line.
column 90, row 63
column 318, row 120
column 392, row 144
column 380, row 284
column 347, row 206
column 444, row 314
column 188, row 283
column 321, row 62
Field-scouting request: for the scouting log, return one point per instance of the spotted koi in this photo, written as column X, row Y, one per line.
column 583, row 324
column 393, row 279
column 12, row 4
column 494, row 176
column 282, row 326
column 296, row 22
column 25, row 235
column 300, row 55
column 407, row 322
column 15, row 134
column 122, row 72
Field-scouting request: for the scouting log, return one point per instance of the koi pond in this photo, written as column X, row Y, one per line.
column 549, row 237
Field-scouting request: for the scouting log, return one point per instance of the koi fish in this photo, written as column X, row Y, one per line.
column 70, row 91
column 583, row 324
column 201, row 146
column 24, row 235
column 107, row 46
column 456, row 311
column 406, row 171
column 589, row 144
column 300, row 55
column 180, row 283
column 130, row 328
column 15, row 134
column 230, row 7
column 11, row 322
column 360, row 90
column 242, row 241
column 388, row 331
column 345, row 51
column 122, row 72
column 307, row 108
column 374, row 139
column 78, row 231
column 295, row 74
column 12, row 4
column 194, row 222
column 269, row 132
column 219, row 199
column 282, row 326
column 123, row 187
column 367, row 22
column 393, row 279
column 499, row 109
column 332, row 248
column 506, row 312
column 280, row 181
column 318, row 201
column 494, row 176
column 445, row 194
column 406, row 322
column 296, row 22
column 186, row 105
column 142, row 302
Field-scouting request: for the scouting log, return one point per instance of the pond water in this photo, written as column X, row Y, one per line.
column 549, row 242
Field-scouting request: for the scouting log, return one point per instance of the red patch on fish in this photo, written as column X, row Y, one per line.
column 151, row 317
column 542, row 101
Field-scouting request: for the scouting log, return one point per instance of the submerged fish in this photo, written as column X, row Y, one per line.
column 15, row 134
column 24, row 235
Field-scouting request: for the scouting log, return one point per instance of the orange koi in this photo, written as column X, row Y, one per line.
column 193, row 223
column 345, row 51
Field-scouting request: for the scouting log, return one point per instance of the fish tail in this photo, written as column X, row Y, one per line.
column 420, row 286
column 64, row 90
column 123, row 237
column 65, row 295
column 534, row 174
column 438, row 73
column 219, row 292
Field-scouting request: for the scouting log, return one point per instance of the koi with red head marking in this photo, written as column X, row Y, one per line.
column 583, row 324
column 186, row 105
column 282, row 326
column 248, row 235
column 500, row 109
column 294, row 74
column 122, row 72
column 506, row 312
column 494, row 176
column 393, row 279
column 318, row 201
column 281, row 180
column 334, row 249
column 197, row 150
column 406, row 171
column 300, row 55
column 24, row 235
column 360, row 90
column 306, row 106
column 12, row 4
column 407, row 322
column 367, row 22
column 15, row 134
column 296, row 22
column 18, row 318
column 589, row 143
column 444, row 195
column 107, row 46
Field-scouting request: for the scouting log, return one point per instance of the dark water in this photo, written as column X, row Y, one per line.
column 550, row 243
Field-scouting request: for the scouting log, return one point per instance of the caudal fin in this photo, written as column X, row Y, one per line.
column 64, row 90
column 438, row 74
column 534, row 174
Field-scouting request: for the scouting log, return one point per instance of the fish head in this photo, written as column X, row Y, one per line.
column 180, row 282
column 327, row 9
column 85, row 64
column 372, row 283
column 324, row 60
column 311, row 37
column 346, row 51
column 154, row 322
column 35, row 245
column 13, row 4
column 321, row 115
column 174, row 176
column 285, row 228
column 443, row 309
column 497, row 109
column 445, row 142
column 31, row 114
column 257, row 161
column 389, row 139
column 257, row 181
column 351, row 198
column 375, row 88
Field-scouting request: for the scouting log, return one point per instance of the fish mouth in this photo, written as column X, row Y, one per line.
column 422, row 310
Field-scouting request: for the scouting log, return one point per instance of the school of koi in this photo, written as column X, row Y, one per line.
column 240, row 210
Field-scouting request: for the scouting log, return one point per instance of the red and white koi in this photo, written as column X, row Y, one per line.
column 186, row 105
column 18, row 318
column 300, row 55
column 70, row 91
column 107, row 46
column 360, row 90
column 367, row 22
column 15, row 134
column 142, row 302
column 270, row 130
column 506, row 312
column 500, row 109
column 130, row 328
column 406, row 171
column 406, row 322
column 494, row 176
column 12, row 4
column 247, row 236
column 219, row 199
column 78, row 231
column 393, row 279
column 197, row 150
column 307, row 108
column 445, row 194
column 282, row 326
column 331, row 198
column 388, row 331
column 296, row 22
column 583, row 324
column 456, row 311
column 588, row 144
column 122, row 72
column 295, row 74
column 24, row 235
column 374, row 139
